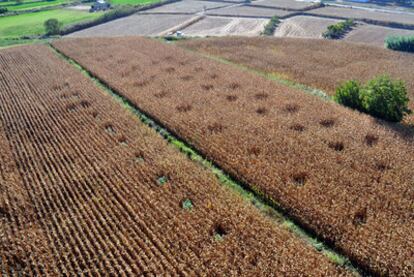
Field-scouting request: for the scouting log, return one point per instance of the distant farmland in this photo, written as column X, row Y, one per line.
column 339, row 173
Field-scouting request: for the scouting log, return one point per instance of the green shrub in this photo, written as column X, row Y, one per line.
column 400, row 43
column 271, row 26
column 381, row 97
column 3, row 10
column 52, row 26
column 338, row 30
column 386, row 99
column 348, row 94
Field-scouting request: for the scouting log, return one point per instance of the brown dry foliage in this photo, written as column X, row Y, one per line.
column 323, row 64
column 324, row 187
column 90, row 175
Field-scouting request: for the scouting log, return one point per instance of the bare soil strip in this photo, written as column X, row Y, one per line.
column 374, row 17
column 224, row 26
column 303, row 26
column 247, row 11
column 339, row 173
column 284, row 4
column 374, row 35
column 137, row 24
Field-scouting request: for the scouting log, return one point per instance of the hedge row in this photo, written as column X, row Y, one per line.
column 338, row 30
column 400, row 43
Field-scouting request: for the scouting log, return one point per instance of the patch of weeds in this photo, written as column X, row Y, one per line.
column 139, row 158
column 123, row 141
column 71, row 107
column 162, row 180
column 187, row 204
column 336, row 259
column 109, row 129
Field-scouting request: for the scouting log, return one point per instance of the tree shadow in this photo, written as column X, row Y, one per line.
column 403, row 130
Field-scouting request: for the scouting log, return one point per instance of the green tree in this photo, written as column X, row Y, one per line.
column 52, row 26
column 348, row 94
column 385, row 98
column 381, row 97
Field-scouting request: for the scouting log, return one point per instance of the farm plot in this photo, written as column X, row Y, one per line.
column 107, row 195
column 338, row 172
column 224, row 26
column 246, row 11
column 322, row 64
column 283, row 4
column 32, row 24
column 374, row 35
column 32, row 5
column 189, row 7
column 137, row 24
column 365, row 15
column 304, row 26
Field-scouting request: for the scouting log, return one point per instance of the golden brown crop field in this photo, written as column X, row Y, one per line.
column 323, row 64
column 87, row 189
column 341, row 174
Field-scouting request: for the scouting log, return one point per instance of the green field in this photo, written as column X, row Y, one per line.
column 30, row 4
column 30, row 24
column 132, row 2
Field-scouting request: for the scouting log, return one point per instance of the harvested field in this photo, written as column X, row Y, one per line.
column 137, row 24
column 187, row 6
column 374, row 16
column 283, row 4
column 224, row 26
column 374, row 35
column 90, row 190
column 303, row 26
column 246, row 11
column 340, row 173
column 323, row 64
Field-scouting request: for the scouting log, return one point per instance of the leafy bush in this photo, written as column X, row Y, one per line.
column 400, row 43
column 381, row 97
column 339, row 29
column 3, row 10
column 52, row 26
column 348, row 94
column 386, row 99
column 271, row 26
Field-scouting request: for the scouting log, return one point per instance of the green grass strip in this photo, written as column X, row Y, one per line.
column 267, row 207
